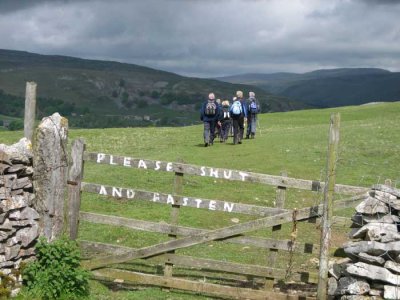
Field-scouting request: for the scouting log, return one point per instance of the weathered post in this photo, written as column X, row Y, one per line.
column 75, row 176
column 178, row 184
column 328, row 206
column 273, row 253
column 50, row 163
column 30, row 109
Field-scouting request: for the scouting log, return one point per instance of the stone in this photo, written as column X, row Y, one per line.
column 12, row 203
column 371, row 272
column 5, row 234
column 389, row 199
column 392, row 266
column 12, row 241
column 27, row 171
column 26, row 252
column 372, row 206
column 16, row 168
column 359, row 297
column 20, row 152
column 8, row 180
column 390, row 250
column 387, row 189
column 3, row 168
column 352, row 286
column 22, row 183
column 361, row 219
column 28, row 235
column 2, row 217
column 375, row 292
column 391, row 292
column 4, row 158
column 332, row 286
column 6, row 226
column 370, row 259
column 27, row 213
column 380, row 232
column 51, row 162
column 336, row 271
column 12, row 251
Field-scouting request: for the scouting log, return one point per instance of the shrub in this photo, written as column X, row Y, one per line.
column 16, row 125
column 56, row 272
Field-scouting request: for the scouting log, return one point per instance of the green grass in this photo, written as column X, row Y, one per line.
column 294, row 142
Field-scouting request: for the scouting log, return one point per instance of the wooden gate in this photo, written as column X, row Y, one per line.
column 182, row 237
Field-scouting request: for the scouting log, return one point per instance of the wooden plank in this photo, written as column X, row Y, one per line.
column 201, row 263
column 204, row 237
column 75, row 176
column 329, row 191
column 228, row 174
column 189, row 285
column 223, row 266
column 283, row 245
column 169, row 199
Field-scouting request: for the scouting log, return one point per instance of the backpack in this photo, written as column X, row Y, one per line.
column 226, row 113
column 253, row 107
column 236, row 108
column 211, row 109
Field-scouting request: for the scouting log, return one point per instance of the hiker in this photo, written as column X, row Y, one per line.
column 253, row 108
column 218, row 125
column 226, row 122
column 209, row 114
column 238, row 113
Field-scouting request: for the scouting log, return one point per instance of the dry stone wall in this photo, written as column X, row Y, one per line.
column 372, row 270
column 19, row 228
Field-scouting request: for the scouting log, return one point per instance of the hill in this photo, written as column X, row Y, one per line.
column 96, row 93
column 328, row 88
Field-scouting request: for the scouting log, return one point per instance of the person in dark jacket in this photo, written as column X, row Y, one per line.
column 243, row 116
column 209, row 114
column 226, row 122
column 253, row 108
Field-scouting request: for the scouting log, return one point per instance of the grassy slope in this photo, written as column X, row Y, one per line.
column 295, row 142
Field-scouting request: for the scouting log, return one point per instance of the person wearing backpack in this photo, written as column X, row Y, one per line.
column 226, row 122
column 253, row 109
column 209, row 114
column 238, row 113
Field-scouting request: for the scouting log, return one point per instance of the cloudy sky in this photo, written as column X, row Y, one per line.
column 210, row 37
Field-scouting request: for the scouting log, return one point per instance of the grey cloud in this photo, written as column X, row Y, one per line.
column 211, row 38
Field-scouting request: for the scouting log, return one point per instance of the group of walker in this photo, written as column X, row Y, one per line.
column 223, row 116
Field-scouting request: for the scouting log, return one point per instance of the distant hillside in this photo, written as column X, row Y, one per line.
column 328, row 88
column 97, row 93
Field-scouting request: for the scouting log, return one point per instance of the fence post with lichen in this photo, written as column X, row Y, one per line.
column 50, row 162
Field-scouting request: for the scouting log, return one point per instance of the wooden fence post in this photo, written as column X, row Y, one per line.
column 178, row 187
column 328, row 206
column 30, row 109
column 75, row 176
column 273, row 253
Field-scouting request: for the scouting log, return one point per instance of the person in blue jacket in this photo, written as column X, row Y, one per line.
column 209, row 114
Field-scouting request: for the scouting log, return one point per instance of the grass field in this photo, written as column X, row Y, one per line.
column 294, row 142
